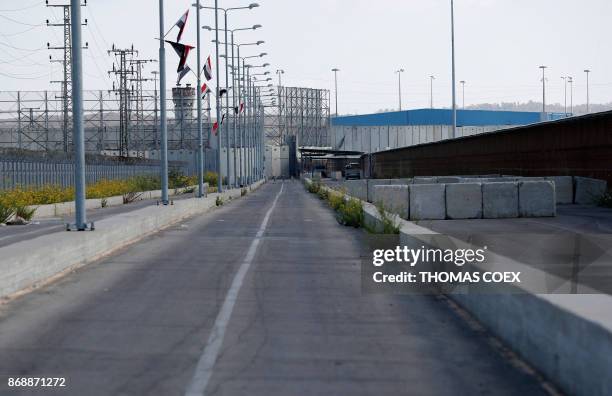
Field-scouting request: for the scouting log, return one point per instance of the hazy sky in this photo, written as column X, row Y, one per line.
column 500, row 44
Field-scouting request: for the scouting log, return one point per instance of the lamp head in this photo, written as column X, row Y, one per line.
column 253, row 5
column 255, row 27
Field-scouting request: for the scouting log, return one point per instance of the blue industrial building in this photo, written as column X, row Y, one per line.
column 465, row 118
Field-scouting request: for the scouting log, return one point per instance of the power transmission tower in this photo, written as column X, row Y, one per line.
column 66, row 61
column 124, row 72
column 139, row 99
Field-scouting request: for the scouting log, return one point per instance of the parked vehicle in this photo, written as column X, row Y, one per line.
column 352, row 171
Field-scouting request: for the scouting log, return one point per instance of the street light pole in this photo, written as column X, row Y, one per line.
column 571, row 83
column 336, row 70
column 453, row 67
column 280, row 73
column 543, row 91
column 462, row 94
column 163, row 127
column 225, row 128
column 201, row 192
column 218, row 100
column 399, row 85
column 564, row 96
column 77, row 114
column 431, row 80
column 587, row 71
column 235, row 114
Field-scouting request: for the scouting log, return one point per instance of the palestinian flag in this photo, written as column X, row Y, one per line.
column 215, row 128
column 182, row 51
column 182, row 74
column 242, row 107
column 181, row 25
column 208, row 69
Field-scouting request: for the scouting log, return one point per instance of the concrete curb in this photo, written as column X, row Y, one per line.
column 28, row 264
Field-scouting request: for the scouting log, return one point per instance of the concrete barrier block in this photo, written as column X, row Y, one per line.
column 424, row 180
column 588, row 190
column 464, row 201
column 357, row 189
column 372, row 183
column 394, row 199
column 564, row 189
column 448, row 179
column 427, row 202
column 500, row 200
column 537, row 199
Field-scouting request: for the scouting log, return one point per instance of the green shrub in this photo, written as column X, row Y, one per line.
column 243, row 192
column 388, row 224
column 211, row 178
column 6, row 212
column 335, row 199
column 350, row 213
column 323, row 194
column 314, row 187
column 25, row 212
column 219, row 201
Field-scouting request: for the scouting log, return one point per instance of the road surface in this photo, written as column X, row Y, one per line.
column 260, row 297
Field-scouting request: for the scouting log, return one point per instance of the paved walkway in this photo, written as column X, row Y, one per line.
column 157, row 318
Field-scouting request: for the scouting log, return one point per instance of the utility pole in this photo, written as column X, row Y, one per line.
column 453, row 69
column 78, row 133
column 201, row 192
column 66, row 61
column 431, row 80
column 399, row 86
column 588, row 110
column 218, row 104
column 543, row 91
column 163, row 127
column 123, row 73
column 155, row 110
column 138, row 65
column 462, row 94
column 564, row 96
column 570, row 80
column 336, row 70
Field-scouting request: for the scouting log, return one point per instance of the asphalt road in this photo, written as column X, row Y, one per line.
column 157, row 318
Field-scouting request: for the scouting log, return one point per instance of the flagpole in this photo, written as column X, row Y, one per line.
column 235, row 114
column 201, row 192
column 240, row 116
column 218, row 101
column 226, row 128
column 163, row 127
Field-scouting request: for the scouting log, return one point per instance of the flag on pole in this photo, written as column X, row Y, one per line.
column 222, row 92
column 182, row 74
column 208, row 69
column 242, row 107
column 182, row 51
column 215, row 128
column 205, row 90
column 181, row 25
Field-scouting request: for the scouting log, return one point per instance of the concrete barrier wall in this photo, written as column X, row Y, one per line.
column 66, row 208
column 588, row 191
column 394, row 199
column 27, row 263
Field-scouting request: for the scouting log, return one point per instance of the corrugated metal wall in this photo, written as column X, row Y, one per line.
column 580, row 146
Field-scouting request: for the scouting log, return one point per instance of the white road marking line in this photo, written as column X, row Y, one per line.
column 204, row 369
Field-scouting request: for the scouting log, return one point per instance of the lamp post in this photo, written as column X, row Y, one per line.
column 201, row 192
column 253, row 130
column 431, row 80
column 588, row 110
column 235, row 96
column 336, row 70
column 225, row 30
column 453, row 67
column 163, row 127
column 570, row 80
column 543, row 91
column 564, row 96
column 238, row 56
column 399, row 86
column 462, row 94
column 280, row 73
column 78, row 130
